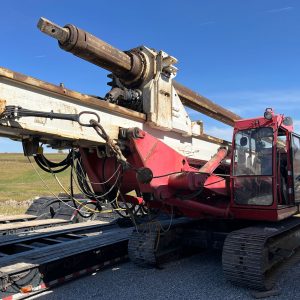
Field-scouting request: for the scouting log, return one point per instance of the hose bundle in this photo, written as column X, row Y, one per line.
column 45, row 164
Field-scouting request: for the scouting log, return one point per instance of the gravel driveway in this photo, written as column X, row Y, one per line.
column 197, row 277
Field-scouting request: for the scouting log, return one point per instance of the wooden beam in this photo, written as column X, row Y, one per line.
column 204, row 105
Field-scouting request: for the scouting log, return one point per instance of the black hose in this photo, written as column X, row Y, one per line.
column 45, row 164
column 72, row 194
column 52, row 164
column 81, row 174
column 46, row 169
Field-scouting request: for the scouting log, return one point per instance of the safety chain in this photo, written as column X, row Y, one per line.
column 110, row 142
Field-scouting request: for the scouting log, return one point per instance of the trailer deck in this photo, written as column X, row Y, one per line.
column 32, row 260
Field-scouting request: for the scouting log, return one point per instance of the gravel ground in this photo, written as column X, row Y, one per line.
column 197, row 277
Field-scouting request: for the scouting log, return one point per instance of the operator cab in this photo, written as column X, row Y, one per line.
column 265, row 172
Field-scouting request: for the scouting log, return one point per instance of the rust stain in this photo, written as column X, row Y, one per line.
column 75, row 96
column 150, row 152
column 2, row 105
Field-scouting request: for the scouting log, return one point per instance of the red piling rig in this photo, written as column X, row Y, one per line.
column 162, row 175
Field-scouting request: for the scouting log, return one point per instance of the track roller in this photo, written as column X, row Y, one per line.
column 255, row 256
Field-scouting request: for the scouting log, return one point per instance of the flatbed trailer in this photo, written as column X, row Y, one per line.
column 33, row 261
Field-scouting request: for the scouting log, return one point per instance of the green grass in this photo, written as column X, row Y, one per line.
column 12, row 210
column 19, row 181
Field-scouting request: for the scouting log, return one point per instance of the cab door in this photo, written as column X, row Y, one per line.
column 296, row 166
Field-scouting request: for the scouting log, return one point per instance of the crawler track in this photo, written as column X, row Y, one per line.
column 254, row 256
column 152, row 244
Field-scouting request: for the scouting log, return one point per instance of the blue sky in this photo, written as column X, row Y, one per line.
column 244, row 55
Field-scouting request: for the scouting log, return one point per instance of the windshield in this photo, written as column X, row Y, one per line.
column 253, row 152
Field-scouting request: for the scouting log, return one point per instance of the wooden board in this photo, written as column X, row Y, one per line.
column 30, row 225
column 51, row 231
column 6, row 219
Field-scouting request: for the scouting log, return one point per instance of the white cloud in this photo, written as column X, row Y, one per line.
column 206, row 23
column 40, row 56
column 222, row 132
column 251, row 103
column 277, row 10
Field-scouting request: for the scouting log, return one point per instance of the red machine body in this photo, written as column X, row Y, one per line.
column 261, row 183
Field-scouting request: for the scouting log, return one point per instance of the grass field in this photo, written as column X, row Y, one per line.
column 19, row 182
